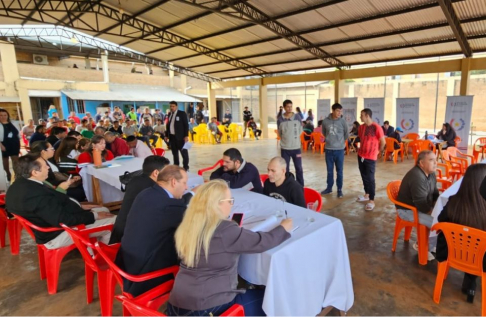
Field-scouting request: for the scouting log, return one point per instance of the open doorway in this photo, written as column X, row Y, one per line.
column 40, row 106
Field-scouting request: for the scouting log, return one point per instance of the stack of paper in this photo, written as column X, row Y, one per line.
column 261, row 224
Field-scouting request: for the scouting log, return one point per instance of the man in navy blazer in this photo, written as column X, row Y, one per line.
column 148, row 240
column 177, row 133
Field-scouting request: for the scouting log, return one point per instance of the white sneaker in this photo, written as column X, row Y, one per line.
column 430, row 256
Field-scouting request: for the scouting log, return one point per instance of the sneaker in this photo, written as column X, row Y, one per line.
column 430, row 256
column 340, row 194
column 326, row 191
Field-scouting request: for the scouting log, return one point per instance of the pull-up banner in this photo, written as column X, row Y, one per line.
column 350, row 106
column 323, row 108
column 408, row 114
column 377, row 106
column 458, row 114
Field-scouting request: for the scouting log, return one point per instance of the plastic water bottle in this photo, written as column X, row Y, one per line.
column 426, row 135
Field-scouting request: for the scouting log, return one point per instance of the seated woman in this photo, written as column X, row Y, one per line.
column 354, row 132
column 447, row 134
column 97, row 142
column 209, row 246
column 66, row 156
column 55, row 177
column 467, row 208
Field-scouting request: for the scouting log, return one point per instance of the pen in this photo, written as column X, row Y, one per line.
column 286, row 216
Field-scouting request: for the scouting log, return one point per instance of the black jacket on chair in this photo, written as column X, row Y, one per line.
column 148, row 240
column 181, row 125
column 45, row 207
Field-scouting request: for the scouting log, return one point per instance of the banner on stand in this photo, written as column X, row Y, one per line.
column 377, row 106
column 408, row 115
column 458, row 114
column 350, row 107
column 323, row 108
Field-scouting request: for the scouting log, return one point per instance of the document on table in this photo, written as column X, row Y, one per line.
column 124, row 157
column 248, row 186
column 260, row 223
column 187, row 146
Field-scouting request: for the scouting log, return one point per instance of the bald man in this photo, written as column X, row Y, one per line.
column 282, row 185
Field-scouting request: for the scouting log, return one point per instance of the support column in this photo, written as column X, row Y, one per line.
column 87, row 63
column 262, row 103
column 25, row 104
column 211, row 102
column 106, row 74
column 465, row 71
column 338, row 88
column 10, row 69
column 171, row 78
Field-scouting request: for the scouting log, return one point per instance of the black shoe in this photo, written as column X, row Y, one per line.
column 470, row 296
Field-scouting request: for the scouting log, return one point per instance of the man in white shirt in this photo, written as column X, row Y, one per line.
column 130, row 128
column 138, row 148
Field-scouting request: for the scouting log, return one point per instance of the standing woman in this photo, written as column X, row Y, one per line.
column 310, row 116
column 447, row 134
column 209, row 246
column 299, row 112
column 9, row 142
column 467, row 208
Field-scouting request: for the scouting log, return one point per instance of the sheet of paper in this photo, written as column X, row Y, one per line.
column 248, row 186
column 187, row 146
column 124, row 157
column 255, row 224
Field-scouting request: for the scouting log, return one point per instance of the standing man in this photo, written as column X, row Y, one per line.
column 228, row 118
column 178, row 134
column 131, row 114
column 190, row 111
column 290, row 129
column 335, row 129
column 246, row 118
column 372, row 142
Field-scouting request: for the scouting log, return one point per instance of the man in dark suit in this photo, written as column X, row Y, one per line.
column 44, row 206
column 57, row 133
column 152, row 166
column 177, row 134
column 148, row 241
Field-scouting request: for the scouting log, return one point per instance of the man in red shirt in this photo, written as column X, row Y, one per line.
column 74, row 117
column 372, row 142
column 118, row 146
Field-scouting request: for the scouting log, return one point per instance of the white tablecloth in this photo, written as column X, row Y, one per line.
column 444, row 198
column 110, row 178
column 305, row 273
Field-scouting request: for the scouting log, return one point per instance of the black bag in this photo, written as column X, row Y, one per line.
column 127, row 177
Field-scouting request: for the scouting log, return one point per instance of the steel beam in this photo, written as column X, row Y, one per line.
column 455, row 24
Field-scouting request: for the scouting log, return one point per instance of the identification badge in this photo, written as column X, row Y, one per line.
column 177, row 118
column 10, row 135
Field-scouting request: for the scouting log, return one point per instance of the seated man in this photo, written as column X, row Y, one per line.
column 138, row 148
column 42, row 205
column 213, row 127
column 192, row 125
column 116, row 128
column 148, row 241
column 282, row 185
column 118, row 146
column 130, row 128
column 238, row 172
column 39, row 134
column 57, row 133
column 152, row 166
column 387, row 129
column 419, row 189
column 148, row 132
column 252, row 124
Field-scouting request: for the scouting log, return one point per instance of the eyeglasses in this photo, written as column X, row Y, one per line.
column 230, row 200
column 51, row 149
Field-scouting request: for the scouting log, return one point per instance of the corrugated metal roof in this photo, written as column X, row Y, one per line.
column 273, row 8
column 479, row 44
column 470, row 8
column 422, row 17
column 131, row 93
column 474, row 28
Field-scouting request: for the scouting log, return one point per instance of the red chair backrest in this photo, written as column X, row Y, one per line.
column 135, row 309
column 457, row 140
column 390, row 144
column 218, row 164
column 311, row 196
column 317, row 138
column 263, row 177
column 159, row 151
column 24, row 138
column 412, row 136
column 29, row 226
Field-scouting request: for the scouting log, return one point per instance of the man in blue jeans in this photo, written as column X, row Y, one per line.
column 290, row 129
column 335, row 129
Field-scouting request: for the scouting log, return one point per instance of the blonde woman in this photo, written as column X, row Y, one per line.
column 209, row 246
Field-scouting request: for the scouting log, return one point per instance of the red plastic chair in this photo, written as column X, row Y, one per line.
column 218, row 164
column 26, row 142
column 136, row 309
column 158, row 151
column 49, row 259
column 479, row 147
column 412, row 136
column 305, row 143
column 311, row 196
column 106, row 289
column 263, row 178
column 318, row 143
column 14, row 229
column 152, row 298
column 390, row 148
column 422, row 231
column 466, row 248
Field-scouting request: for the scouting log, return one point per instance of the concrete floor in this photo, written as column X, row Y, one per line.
column 385, row 283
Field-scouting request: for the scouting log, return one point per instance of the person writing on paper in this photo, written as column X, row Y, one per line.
column 209, row 246
column 447, row 134
column 138, row 148
column 119, row 146
column 282, row 185
column 238, row 172
column 148, row 239
column 97, row 142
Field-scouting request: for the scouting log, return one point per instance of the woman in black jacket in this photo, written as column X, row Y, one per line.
column 447, row 134
column 467, row 208
column 10, row 144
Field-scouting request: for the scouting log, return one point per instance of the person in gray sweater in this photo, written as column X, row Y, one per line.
column 289, row 130
column 335, row 129
column 209, row 246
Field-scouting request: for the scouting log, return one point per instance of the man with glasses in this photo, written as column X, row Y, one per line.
column 289, row 130
column 238, row 172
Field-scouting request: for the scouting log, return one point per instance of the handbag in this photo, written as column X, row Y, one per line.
column 127, row 177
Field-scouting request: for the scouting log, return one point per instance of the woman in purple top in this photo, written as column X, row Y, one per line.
column 209, row 246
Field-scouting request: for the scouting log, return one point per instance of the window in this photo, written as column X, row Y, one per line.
column 71, row 106
column 81, row 108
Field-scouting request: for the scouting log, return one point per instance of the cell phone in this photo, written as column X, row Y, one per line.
column 69, row 178
column 238, row 218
